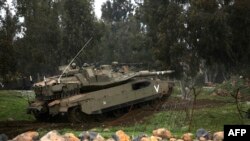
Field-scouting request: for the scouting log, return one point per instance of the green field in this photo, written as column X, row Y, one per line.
column 13, row 105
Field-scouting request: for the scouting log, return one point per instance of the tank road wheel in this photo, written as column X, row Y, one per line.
column 40, row 116
column 75, row 115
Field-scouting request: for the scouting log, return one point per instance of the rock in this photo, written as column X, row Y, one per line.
column 70, row 137
column 155, row 138
column 10, row 119
column 162, row 132
column 222, row 92
column 115, row 137
column 88, row 135
column 27, row 136
column 179, row 140
column 213, row 94
column 202, row 139
column 99, row 138
column 106, row 130
column 218, row 136
column 202, row 133
column 3, row 137
column 52, row 136
column 172, row 139
column 145, row 139
column 91, row 136
column 110, row 139
column 187, row 137
column 122, row 136
column 142, row 137
column 93, row 129
column 210, row 84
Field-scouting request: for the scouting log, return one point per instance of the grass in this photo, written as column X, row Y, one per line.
column 211, row 119
column 13, row 106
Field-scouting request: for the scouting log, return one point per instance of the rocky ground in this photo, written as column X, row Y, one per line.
column 159, row 134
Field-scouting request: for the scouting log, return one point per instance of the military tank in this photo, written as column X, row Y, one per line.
column 88, row 90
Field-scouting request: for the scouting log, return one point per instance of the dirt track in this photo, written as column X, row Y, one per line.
column 13, row 128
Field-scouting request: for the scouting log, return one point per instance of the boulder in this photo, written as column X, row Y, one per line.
column 88, row 135
column 155, row 138
column 222, row 92
column 145, row 139
column 91, row 136
column 187, row 137
column 27, row 136
column 162, row 132
column 202, row 139
column 70, row 137
column 93, row 130
column 172, row 139
column 110, row 139
column 53, row 136
column 213, row 94
column 106, row 130
column 99, row 138
column 202, row 133
column 115, row 137
column 142, row 137
column 122, row 136
column 3, row 137
column 218, row 136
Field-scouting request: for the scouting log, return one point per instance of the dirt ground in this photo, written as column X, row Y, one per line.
column 13, row 128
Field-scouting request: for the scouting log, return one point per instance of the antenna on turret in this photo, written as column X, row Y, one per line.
column 74, row 59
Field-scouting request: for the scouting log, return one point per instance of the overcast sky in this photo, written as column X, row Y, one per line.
column 97, row 8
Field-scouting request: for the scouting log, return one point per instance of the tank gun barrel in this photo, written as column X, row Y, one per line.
column 150, row 73
column 130, row 64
